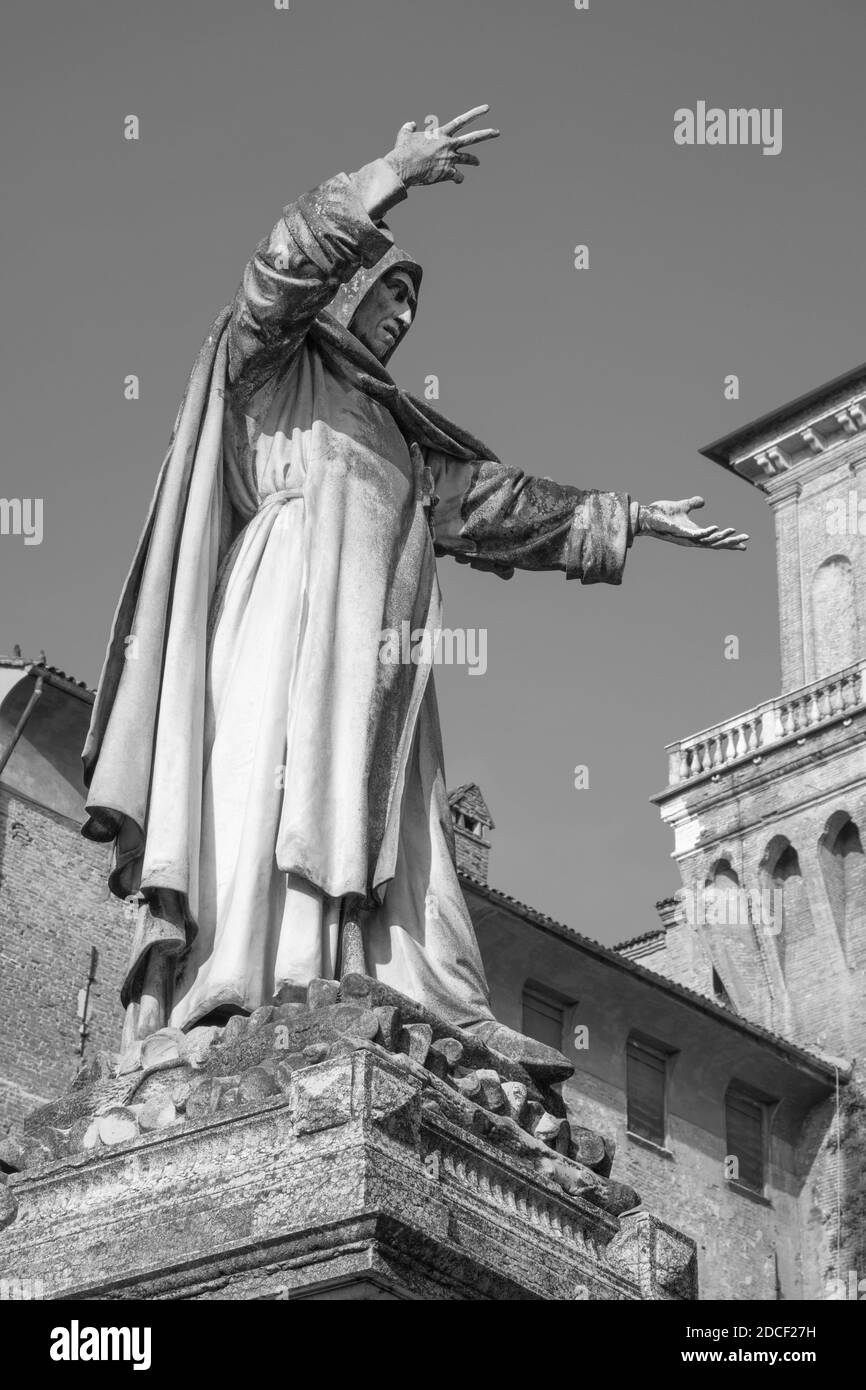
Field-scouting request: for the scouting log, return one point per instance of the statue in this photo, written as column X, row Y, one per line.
column 273, row 788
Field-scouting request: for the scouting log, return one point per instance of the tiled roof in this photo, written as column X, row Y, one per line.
column 799, row 1055
column 633, row 940
column 25, row 666
column 468, row 797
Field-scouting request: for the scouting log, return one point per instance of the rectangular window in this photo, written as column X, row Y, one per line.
column 646, row 1087
column 744, row 1138
column 543, row 1016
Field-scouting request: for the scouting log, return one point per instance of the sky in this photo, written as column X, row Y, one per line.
column 703, row 261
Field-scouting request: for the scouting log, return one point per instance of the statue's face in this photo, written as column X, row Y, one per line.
column 385, row 313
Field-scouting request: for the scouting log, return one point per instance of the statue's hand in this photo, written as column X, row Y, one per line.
column 669, row 521
column 434, row 156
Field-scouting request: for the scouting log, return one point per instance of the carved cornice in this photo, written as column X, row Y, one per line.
column 802, row 432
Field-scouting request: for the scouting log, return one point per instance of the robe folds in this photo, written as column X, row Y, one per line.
column 249, row 749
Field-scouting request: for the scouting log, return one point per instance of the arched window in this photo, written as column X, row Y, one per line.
column 793, row 926
column 730, row 938
column 844, row 866
column 834, row 616
column 726, row 904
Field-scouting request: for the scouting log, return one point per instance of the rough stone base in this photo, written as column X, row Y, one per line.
column 353, row 1184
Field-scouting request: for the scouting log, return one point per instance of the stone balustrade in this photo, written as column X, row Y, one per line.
column 750, row 734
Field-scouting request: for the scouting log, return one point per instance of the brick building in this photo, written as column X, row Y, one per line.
column 721, row 1048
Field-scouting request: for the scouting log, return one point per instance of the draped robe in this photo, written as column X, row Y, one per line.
column 250, row 751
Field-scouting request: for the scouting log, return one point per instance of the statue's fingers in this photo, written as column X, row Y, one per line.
column 461, row 158
column 460, row 121
column 730, row 543
column 407, row 128
column 457, row 176
column 692, row 504
column 475, row 136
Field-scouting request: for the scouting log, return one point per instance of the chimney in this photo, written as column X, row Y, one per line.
column 472, row 826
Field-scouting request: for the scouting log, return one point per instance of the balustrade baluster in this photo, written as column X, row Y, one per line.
column 844, row 693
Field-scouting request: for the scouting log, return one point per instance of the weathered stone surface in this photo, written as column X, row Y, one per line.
column 321, row 993
column 358, row 1023
column 13, row 1154
column 614, row 1197
column 167, row 1045
column 587, row 1146
column 179, row 1092
column 235, row 1028
column 158, row 1113
column 118, row 1125
column 356, row 988
column 203, row 1098
column 285, row 1070
column 257, row 1059
column 291, row 994
column 287, row 1012
column 90, row 1140
column 8, row 1206
column 322, row 1100
column 390, row 1023
column 256, row 1085
column 492, row 1095
column 660, row 1260
column 199, row 1042
column 41, row 1148
column 449, row 1049
column 415, row 1040
column 375, row 1157
column 75, row 1135
column 507, row 1045
column 553, row 1131
column 98, row 1068
column 468, row 1084
column 515, row 1098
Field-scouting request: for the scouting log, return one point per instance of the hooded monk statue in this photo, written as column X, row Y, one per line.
column 273, row 788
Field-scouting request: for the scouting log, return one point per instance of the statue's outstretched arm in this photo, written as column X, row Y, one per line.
column 496, row 517
column 499, row 518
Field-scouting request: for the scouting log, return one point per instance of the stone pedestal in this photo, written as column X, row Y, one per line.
column 357, row 1180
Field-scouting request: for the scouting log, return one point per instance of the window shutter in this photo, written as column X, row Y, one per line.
column 542, row 1018
column 645, row 1085
column 744, row 1123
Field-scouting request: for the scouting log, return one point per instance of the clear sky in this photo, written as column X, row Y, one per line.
column 116, row 256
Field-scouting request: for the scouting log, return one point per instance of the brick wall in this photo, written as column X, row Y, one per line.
column 54, row 906
column 822, row 604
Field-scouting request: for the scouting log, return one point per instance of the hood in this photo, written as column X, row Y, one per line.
column 348, row 297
